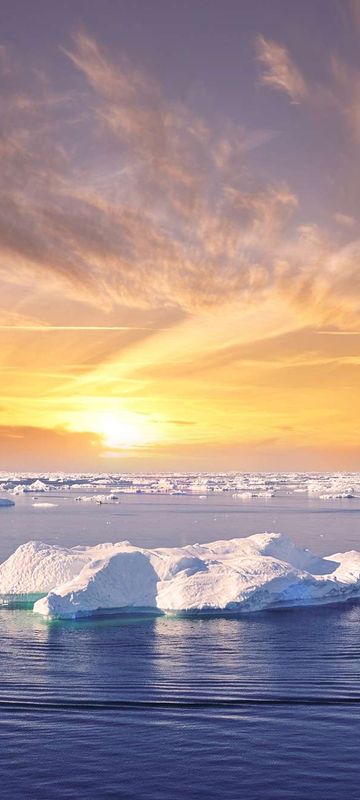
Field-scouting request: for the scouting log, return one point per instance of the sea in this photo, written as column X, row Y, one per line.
column 261, row 706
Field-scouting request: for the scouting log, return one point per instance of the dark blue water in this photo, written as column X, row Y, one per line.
column 265, row 706
column 262, row 707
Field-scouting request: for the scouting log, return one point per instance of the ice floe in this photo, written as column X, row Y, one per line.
column 244, row 486
column 44, row 505
column 100, row 499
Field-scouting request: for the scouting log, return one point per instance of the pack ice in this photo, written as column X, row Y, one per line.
column 237, row 575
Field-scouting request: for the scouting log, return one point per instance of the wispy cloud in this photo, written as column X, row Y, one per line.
column 171, row 216
column 339, row 333
column 49, row 328
column 279, row 70
column 345, row 220
column 150, row 206
column 334, row 100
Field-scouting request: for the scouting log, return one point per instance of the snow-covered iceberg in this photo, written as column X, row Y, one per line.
column 237, row 575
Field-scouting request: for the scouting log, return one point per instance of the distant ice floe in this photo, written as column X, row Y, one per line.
column 244, row 486
column 337, row 488
column 5, row 502
column 347, row 495
column 100, row 499
column 251, row 495
column 263, row 571
column 44, row 505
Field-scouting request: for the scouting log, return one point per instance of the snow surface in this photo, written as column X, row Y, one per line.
column 237, row 575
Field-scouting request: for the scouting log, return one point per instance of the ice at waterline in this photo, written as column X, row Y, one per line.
column 237, row 575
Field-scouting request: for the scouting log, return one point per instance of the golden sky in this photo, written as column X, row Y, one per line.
column 179, row 270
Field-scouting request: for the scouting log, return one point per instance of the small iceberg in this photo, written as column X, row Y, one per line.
column 5, row 502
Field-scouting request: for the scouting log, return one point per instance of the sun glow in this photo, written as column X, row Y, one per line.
column 124, row 430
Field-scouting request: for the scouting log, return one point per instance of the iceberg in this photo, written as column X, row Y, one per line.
column 262, row 571
column 124, row 580
column 35, row 568
column 5, row 502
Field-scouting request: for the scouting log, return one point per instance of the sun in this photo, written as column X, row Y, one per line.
column 118, row 428
column 124, row 430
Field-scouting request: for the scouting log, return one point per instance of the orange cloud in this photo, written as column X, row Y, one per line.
column 32, row 448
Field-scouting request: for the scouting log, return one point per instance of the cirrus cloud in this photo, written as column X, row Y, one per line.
column 125, row 198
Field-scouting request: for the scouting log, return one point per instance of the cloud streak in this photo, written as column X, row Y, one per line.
column 279, row 70
column 170, row 217
column 124, row 198
column 49, row 328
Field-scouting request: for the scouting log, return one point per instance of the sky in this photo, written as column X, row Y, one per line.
column 179, row 235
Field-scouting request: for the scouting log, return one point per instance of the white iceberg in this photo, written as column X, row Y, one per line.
column 122, row 580
column 35, row 568
column 237, row 575
column 37, row 486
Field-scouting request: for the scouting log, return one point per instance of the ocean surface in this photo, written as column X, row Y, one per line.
column 260, row 706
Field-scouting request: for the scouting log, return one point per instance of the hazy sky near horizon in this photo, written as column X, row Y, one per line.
column 179, row 234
